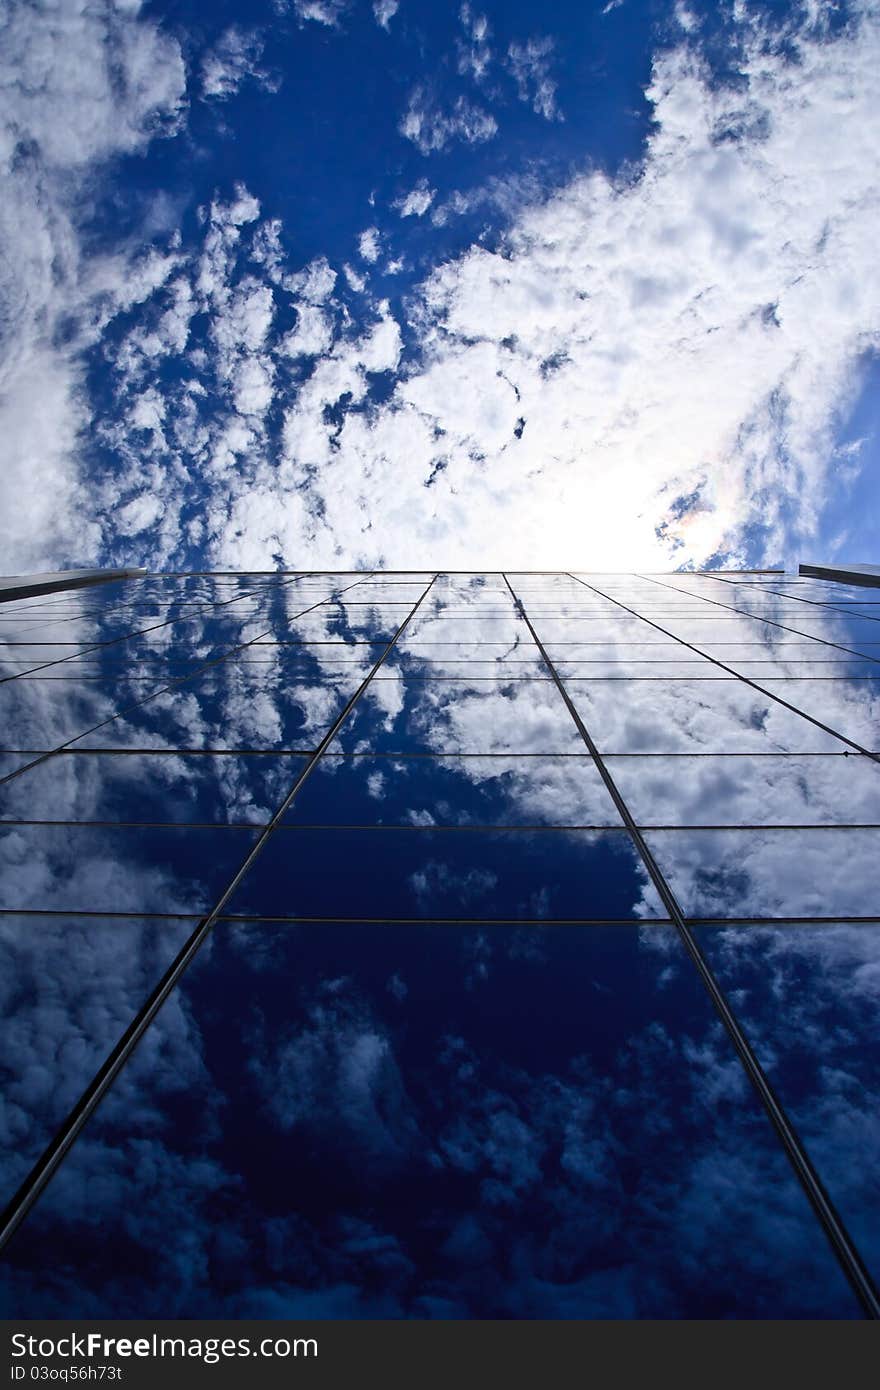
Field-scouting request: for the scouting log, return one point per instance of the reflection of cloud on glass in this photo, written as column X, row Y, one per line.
column 618, row 1169
column 770, row 873
column 69, row 989
column 808, row 997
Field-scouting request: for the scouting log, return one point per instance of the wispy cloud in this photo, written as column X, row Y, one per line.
column 530, row 65
column 432, row 124
column 234, row 59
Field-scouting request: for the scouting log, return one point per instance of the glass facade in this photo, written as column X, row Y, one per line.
column 441, row 945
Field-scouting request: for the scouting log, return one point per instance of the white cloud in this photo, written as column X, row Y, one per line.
column 432, row 127
column 356, row 282
column 417, row 201
column 252, row 386
column 233, row 59
column 530, row 65
column 327, row 12
column 384, row 11
column 632, row 320
column 369, row 245
column 630, row 377
column 315, row 284
column 685, row 18
column 313, row 333
column 78, row 85
column 474, row 54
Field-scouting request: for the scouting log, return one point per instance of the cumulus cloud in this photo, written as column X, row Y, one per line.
column 417, row 201
column 79, row 85
column 626, row 322
column 630, row 376
column 369, row 244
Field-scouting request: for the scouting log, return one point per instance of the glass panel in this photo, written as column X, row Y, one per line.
column 451, row 716
column 84, row 869
column 807, row 997
column 454, row 791
column 441, row 629
column 750, row 790
column 43, row 714
column 696, row 716
column 450, row 658
column 441, row 1123
column 235, row 706
column 770, row 873
column 156, row 787
column 70, row 987
column 852, row 708
column 494, row 875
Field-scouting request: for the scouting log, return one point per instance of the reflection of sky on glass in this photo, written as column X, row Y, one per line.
column 453, row 1062
column 433, row 1123
column 808, row 998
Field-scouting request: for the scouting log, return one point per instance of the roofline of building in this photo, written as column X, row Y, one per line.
column 866, row 575
column 30, row 585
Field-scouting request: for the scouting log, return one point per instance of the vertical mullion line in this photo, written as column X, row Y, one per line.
column 47, row 1164
column 841, row 1242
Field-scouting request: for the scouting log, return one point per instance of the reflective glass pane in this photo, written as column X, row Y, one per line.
column 493, row 875
column 440, row 1123
column 70, row 987
column 156, row 787
column 771, row 873
column 235, row 705
column 695, row 716
column 765, row 789
column 807, row 997
column 454, row 790
column 452, row 716
column 84, row 869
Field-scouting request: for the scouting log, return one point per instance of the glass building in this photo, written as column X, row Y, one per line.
column 441, row 945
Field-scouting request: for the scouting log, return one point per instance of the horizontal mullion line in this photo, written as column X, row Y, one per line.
column 436, row 754
column 627, row 922
column 562, row 829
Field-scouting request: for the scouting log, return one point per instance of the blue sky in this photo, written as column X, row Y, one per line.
column 332, row 282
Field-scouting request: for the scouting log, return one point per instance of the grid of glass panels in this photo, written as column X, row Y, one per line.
column 441, row 841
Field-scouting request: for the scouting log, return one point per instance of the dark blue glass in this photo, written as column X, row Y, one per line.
column 423, row 873
column 361, row 1122
column 807, row 997
column 455, row 790
column 70, row 987
column 156, row 788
